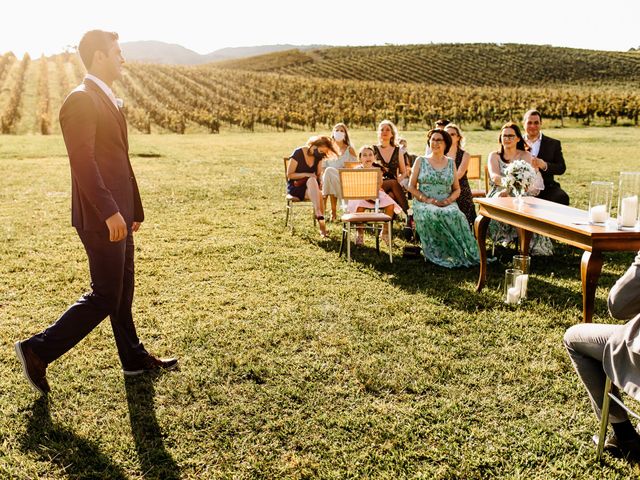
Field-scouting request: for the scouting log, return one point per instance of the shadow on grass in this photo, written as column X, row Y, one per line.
column 415, row 275
column 155, row 461
column 77, row 457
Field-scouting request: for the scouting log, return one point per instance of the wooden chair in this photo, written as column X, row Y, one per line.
column 604, row 416
column 363, row 184
column 474, row 172
column 293, row 201
column 487, row 178
column 351, row 164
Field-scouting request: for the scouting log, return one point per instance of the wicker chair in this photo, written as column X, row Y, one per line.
column 293, row 201
column 363, row 184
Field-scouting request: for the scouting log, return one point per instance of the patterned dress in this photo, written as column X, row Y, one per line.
column 465, row 200
column 444, row 231
column 503, row 234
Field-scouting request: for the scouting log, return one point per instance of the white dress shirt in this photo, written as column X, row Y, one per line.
column 104, row 87
column 534, row 146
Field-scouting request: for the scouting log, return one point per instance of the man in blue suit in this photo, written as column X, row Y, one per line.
column 106, row 212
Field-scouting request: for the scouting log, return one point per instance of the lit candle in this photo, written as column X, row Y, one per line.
column 629, row 211
column 513, row 294
column 523, row 280
column 598, row 214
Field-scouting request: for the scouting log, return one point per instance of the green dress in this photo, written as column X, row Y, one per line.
column 444, row 231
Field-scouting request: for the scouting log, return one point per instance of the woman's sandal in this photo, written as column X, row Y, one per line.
column 323, row 227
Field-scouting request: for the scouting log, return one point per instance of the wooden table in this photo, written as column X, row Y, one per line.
column 565, row 224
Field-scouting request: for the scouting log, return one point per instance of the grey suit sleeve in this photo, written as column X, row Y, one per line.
column 624, row 297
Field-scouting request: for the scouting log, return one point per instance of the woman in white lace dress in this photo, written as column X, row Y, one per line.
column 330, row 177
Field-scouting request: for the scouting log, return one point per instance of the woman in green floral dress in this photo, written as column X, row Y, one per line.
column 444, row 231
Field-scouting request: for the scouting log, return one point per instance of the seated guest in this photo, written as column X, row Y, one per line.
column 512, row 147
column 442, row 227
column 440, row 124
column 367, row 158
column 547, row 156
column 330, row 177
column 601, row 350
column 409, row 158
column 304, row 172
column 388, row 159
column 465, row 200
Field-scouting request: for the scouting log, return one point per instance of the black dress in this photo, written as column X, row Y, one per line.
column 389, row 170
column 298, row 187
column 465, row 200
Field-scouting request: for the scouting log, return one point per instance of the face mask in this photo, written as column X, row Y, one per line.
column 318, row 155
column 339, row 136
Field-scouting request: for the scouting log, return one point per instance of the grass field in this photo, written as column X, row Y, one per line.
column 294, row 363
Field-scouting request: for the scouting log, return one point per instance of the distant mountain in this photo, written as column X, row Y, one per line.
column 151, row 51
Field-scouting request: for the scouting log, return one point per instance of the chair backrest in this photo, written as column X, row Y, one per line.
column 286, row 164
column 474, row 170
column 486, row 178
column 351, row 164
column 360, row 183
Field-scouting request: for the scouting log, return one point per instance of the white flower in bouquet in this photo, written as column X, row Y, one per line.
column 518, row 177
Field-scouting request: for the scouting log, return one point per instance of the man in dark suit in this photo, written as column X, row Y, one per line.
column 547, row 157
column 106, row 211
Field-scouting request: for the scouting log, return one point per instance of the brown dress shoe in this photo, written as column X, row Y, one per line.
column 34, row 369
column 152, row 364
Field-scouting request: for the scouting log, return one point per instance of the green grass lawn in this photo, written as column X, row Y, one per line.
column 294, row 363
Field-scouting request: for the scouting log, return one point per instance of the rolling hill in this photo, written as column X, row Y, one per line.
column 457, row 64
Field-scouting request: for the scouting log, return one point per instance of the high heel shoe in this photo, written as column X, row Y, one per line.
column 322, row 225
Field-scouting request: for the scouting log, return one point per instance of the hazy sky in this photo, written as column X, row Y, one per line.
column 48, row 26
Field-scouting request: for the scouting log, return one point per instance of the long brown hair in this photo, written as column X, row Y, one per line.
column 321, row 141
column 521, row 145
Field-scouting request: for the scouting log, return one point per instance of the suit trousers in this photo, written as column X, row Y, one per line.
column 585, row 344
column 554, row 194
column 111, row 265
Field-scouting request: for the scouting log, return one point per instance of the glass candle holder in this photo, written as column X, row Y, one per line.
column 522, row 263
column 628, row 200
column 512, row 286
column 600, row 195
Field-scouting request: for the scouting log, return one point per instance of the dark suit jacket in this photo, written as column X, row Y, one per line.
column 551, row 152
column 103, row 183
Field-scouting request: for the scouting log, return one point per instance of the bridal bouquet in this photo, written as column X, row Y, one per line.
column 518, row 177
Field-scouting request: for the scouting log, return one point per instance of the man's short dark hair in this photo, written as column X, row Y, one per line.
column 533, row 111
column 442, row 122
column 93, row 41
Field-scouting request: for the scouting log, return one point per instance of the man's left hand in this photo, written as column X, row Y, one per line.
column 135, row 226
column 539, row 163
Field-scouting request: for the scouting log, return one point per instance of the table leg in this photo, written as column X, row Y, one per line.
column 590, row 268
column 481, row 226
column 525, row 240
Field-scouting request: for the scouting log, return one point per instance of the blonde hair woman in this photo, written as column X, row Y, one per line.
column 388, row 159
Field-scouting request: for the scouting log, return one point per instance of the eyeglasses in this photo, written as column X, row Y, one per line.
column 509, row 136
